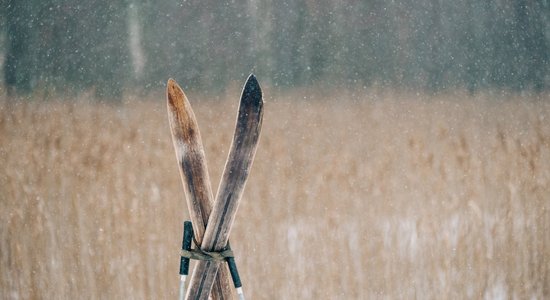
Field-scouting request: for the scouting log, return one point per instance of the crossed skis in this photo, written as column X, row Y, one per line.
column 212, row 220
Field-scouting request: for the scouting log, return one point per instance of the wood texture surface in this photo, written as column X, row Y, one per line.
column 194, row 173
column 238, row 164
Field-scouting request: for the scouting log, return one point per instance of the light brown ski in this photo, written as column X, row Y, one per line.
column 194, row 173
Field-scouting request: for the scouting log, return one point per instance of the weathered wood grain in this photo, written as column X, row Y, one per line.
column 239, row 162
column 194, row 173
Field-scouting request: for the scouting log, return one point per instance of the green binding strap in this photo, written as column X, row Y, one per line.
column 198, row 254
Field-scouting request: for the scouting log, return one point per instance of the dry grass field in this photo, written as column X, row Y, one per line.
column 361, row 195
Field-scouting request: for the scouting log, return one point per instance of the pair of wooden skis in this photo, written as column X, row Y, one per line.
column 212, row 220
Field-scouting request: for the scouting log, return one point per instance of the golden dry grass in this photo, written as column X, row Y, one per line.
column 354, row 196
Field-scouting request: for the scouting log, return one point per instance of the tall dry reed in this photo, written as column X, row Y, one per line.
column 352, row 196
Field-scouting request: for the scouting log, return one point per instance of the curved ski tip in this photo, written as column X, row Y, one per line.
column 252, row 81
column 252, row 88
column 176, row 96
column 251, row 77
column 172, row 84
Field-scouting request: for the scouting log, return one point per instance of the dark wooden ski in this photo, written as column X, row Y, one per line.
column 239, row 162
column 194, row 173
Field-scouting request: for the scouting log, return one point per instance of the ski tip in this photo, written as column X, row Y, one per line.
column 251, row 77
column 252, row 91
column 181, row 117
column 174, row 93
column 172, row 85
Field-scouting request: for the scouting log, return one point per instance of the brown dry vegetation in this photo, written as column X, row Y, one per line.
column 361, row 195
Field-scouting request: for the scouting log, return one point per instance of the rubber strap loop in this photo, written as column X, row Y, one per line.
column 207, row 255
column 199, row 254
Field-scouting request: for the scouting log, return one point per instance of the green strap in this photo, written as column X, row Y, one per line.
column 206, row 255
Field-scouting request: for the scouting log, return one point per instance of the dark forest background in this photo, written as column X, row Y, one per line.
column 67, row 46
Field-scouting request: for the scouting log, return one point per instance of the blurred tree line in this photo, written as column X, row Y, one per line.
column 108, row 46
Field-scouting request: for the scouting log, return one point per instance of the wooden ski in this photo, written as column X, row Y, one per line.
column 238, row 164
column 194, row 173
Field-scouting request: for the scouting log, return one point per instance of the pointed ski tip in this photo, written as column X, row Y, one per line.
column 251, row 77
column 175, row 95
column 171, row 84
column 252, row 82
column 252, row 89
